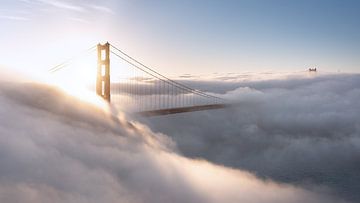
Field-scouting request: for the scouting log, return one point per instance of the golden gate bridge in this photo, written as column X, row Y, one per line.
column 144, row 90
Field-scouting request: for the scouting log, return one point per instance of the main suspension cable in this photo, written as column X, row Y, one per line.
column 69, row 61
column 189, row 89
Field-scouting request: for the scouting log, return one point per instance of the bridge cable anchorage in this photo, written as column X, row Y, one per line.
column 172, row 82
column 69, row 61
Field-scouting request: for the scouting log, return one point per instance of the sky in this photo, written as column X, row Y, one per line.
column 185, row 37
column 292, row 137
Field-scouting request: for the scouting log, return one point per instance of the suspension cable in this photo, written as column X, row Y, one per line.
column 188, row 89
column 161, row 79
column 69, row 61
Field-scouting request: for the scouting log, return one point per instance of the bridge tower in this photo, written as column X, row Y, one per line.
column 103, row 71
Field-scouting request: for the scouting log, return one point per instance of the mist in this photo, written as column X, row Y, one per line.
column 298, row 130
column 57, row 148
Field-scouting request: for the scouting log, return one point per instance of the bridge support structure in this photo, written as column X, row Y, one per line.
column 103, row 71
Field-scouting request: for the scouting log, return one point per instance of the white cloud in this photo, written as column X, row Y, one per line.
column 101, row 8
column 17, row 18
column 54, row 148
column 300, row 130
column 80, row 20
column 63, row 5
column 81, row 6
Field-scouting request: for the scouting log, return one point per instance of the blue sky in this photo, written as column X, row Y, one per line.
column 178, row 37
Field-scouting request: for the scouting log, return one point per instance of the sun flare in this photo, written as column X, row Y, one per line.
column 78, row 79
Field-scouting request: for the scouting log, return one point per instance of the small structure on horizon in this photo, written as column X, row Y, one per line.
column 312, row 70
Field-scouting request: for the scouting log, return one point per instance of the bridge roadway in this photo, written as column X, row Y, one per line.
column 161, row 112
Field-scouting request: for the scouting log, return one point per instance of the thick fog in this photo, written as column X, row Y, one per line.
column 298, row 130
column 55, row 148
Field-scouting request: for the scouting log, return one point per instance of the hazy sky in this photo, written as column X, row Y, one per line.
column 178, row 37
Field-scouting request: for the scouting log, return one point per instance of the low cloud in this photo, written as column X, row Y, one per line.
column 298, row 130
column 55, row 148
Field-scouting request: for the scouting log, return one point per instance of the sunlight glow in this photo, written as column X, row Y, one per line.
column 78, row 80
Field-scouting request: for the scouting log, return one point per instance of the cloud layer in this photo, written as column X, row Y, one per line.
column 54, row 148
column 303, row 130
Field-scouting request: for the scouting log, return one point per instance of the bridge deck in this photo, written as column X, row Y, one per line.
column 182, row 110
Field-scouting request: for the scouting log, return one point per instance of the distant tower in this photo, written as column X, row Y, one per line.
column 103, row 71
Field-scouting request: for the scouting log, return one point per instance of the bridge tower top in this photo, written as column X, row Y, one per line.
column 103, row 71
